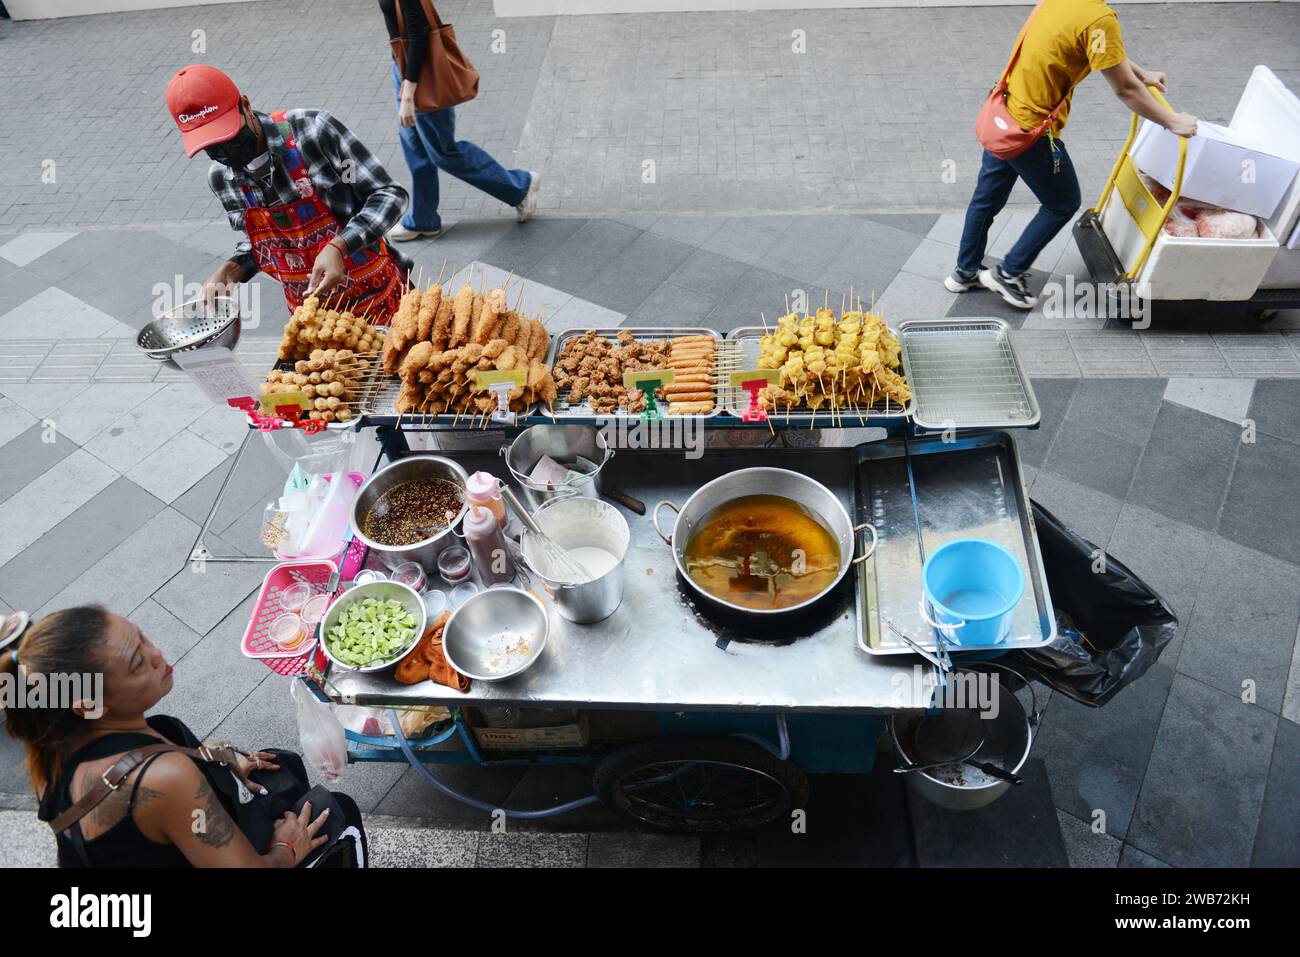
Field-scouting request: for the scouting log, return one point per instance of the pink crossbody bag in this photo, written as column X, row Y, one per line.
column 995, row 128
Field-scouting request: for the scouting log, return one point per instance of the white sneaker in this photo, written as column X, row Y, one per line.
column 528, row 205
column 400, row 234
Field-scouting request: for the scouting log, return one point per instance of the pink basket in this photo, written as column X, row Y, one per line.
column 257, row 641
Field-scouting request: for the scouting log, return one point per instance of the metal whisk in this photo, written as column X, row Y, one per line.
column 559, row 564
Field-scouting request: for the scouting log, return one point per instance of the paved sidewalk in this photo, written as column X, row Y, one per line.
column 730, row 116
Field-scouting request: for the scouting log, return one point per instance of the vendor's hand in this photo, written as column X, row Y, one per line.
column 299, row 831
column 222, row 282
column 245, row 765
column 406, row 112
column 326, row 272
column 1156, row 78
column 1183, row 124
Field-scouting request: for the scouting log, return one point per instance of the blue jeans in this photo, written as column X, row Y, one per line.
column 431, row 145
column 1057, row 191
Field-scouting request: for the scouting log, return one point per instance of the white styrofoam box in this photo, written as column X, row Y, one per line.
column 1270, row 112
column 1227, row 270
column 1217, row 161
column 1284, row 273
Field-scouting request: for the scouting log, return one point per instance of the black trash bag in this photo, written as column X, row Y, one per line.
column 1111, row 627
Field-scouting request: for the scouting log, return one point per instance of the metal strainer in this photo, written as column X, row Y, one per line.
column 191, row 325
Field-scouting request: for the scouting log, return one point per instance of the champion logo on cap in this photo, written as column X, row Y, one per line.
column 191, row 117
column 204, row 103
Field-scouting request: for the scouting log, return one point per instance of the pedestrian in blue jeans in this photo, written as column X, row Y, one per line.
column 1061, row 43
column 429, row 141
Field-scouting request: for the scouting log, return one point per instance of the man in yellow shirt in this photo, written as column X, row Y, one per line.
column 1064, row 41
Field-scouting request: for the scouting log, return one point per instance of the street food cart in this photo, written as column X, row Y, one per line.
column 696, row 715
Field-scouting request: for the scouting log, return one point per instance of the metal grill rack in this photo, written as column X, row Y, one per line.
column 965, row 374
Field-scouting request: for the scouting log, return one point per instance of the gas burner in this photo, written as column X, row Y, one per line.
column 730, row 625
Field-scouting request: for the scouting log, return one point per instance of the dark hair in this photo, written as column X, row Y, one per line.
column 65, row 642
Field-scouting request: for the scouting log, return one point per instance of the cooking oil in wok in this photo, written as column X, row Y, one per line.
column 762, row 552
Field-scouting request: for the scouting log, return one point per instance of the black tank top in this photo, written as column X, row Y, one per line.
column 124, row 844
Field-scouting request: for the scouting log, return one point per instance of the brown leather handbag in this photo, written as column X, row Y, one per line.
column 995, row 127
column 447, row 78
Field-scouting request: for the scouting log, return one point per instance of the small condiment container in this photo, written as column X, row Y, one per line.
column 435, row 603
column 295, row 596
column 409, row 574
column 454, row 565
column 462, row 593
column 287, row 631
column 484, row 489
column 314, row 611
column 367, row 576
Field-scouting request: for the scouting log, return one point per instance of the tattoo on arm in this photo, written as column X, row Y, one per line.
column 218, row 829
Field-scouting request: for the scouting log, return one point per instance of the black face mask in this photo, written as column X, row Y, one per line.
column 236, row 152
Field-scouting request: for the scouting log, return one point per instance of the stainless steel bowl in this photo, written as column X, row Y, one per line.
column 812, row 495
column 191, row 325
column 496, row 635
column 563, row 443
column 427, row 550
column 383, row 591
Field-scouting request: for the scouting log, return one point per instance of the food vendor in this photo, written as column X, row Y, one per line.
column 313, row 202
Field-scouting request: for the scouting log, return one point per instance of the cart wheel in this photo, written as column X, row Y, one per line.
column 700, row 784
column 1264, row 315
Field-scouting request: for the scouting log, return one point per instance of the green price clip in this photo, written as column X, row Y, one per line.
column 647, row 380
column 500, row 383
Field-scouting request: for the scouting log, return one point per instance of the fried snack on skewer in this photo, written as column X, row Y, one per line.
column 510, row 327
column 429, row 303
column 461, row 308
column 539, row 340
column 690, row 408
column 417, row 357
column 442, row 320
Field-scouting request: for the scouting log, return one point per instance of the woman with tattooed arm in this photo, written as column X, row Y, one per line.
column 165, row 807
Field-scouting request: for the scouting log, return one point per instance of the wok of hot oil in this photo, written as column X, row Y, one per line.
column 762, row 552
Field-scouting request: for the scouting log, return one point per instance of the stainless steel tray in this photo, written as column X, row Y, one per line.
column 381, row 409
column 583, row 410
column 970, row 487
column 736, row 401
column 964, row 374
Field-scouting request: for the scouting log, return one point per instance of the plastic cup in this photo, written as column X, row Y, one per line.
column 435, row 603
column 409, row 574
column 287, row 631
column 463, row 593
column 454, row 564
column 368, row 575
column 295, row 596
column 314, row 611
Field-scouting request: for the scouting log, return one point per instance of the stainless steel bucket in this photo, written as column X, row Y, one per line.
column 412, row 467
column 563, row 443
column 576, row 522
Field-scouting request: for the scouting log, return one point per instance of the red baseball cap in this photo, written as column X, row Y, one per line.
column 204, row 102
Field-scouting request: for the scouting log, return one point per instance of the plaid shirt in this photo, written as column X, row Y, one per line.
column 368, row 206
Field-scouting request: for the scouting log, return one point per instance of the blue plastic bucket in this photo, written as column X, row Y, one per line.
column 973, row 586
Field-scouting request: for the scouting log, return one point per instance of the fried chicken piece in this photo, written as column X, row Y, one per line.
column 508, row 359
column 417, row 357
column 461, row 309
column 440, row 335
column 539, row 341
column 525, row 336
column 494, row 348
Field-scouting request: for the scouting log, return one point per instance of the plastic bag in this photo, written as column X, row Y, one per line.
column 1111, row 627
column 320, row 735
column 1225, row 224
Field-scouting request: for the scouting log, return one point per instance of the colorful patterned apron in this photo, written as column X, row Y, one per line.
column 286, row 239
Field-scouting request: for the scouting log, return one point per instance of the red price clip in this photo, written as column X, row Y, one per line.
column 755, row 411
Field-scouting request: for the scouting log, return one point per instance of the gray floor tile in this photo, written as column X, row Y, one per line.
column 583, row 256
column 169, row 634
column 259, row 479
column 14, row 419
column 1090, row 457
column 133, row 570
column 177, row 465
column 685, row 228
column 868, row 262
column 810, row 243
column 1131, row 857
column 75, row 544
column 1085, row 847
column 581, row 314
column 728, row 851
column 1261, row 509
column 747, row 239
column 1167, row 555
column 522, row 249
column 212, row 679
column 412, row 796
column 29, row 455
column 1096, row 757
column 1277, row 842
column 642, row 850
column 202, row 599
column 464, row 242
column 1086, row 511
column 27, row 840
column 393, row 845
column 919, row 223
column 1185, row 468
column 13, row 775
column 673, row 305
column 1291, row 703
column 1200, row 802
column 1054, row 397
column 67, row 258
column 1275, row 408
column 1243, row 627
column 1227, row 399
column 1124, row 408
column 760, row 292
column 523, row 849
column 627, row 280
column 983, row 302
column 1046, row 353
column 709, row 273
